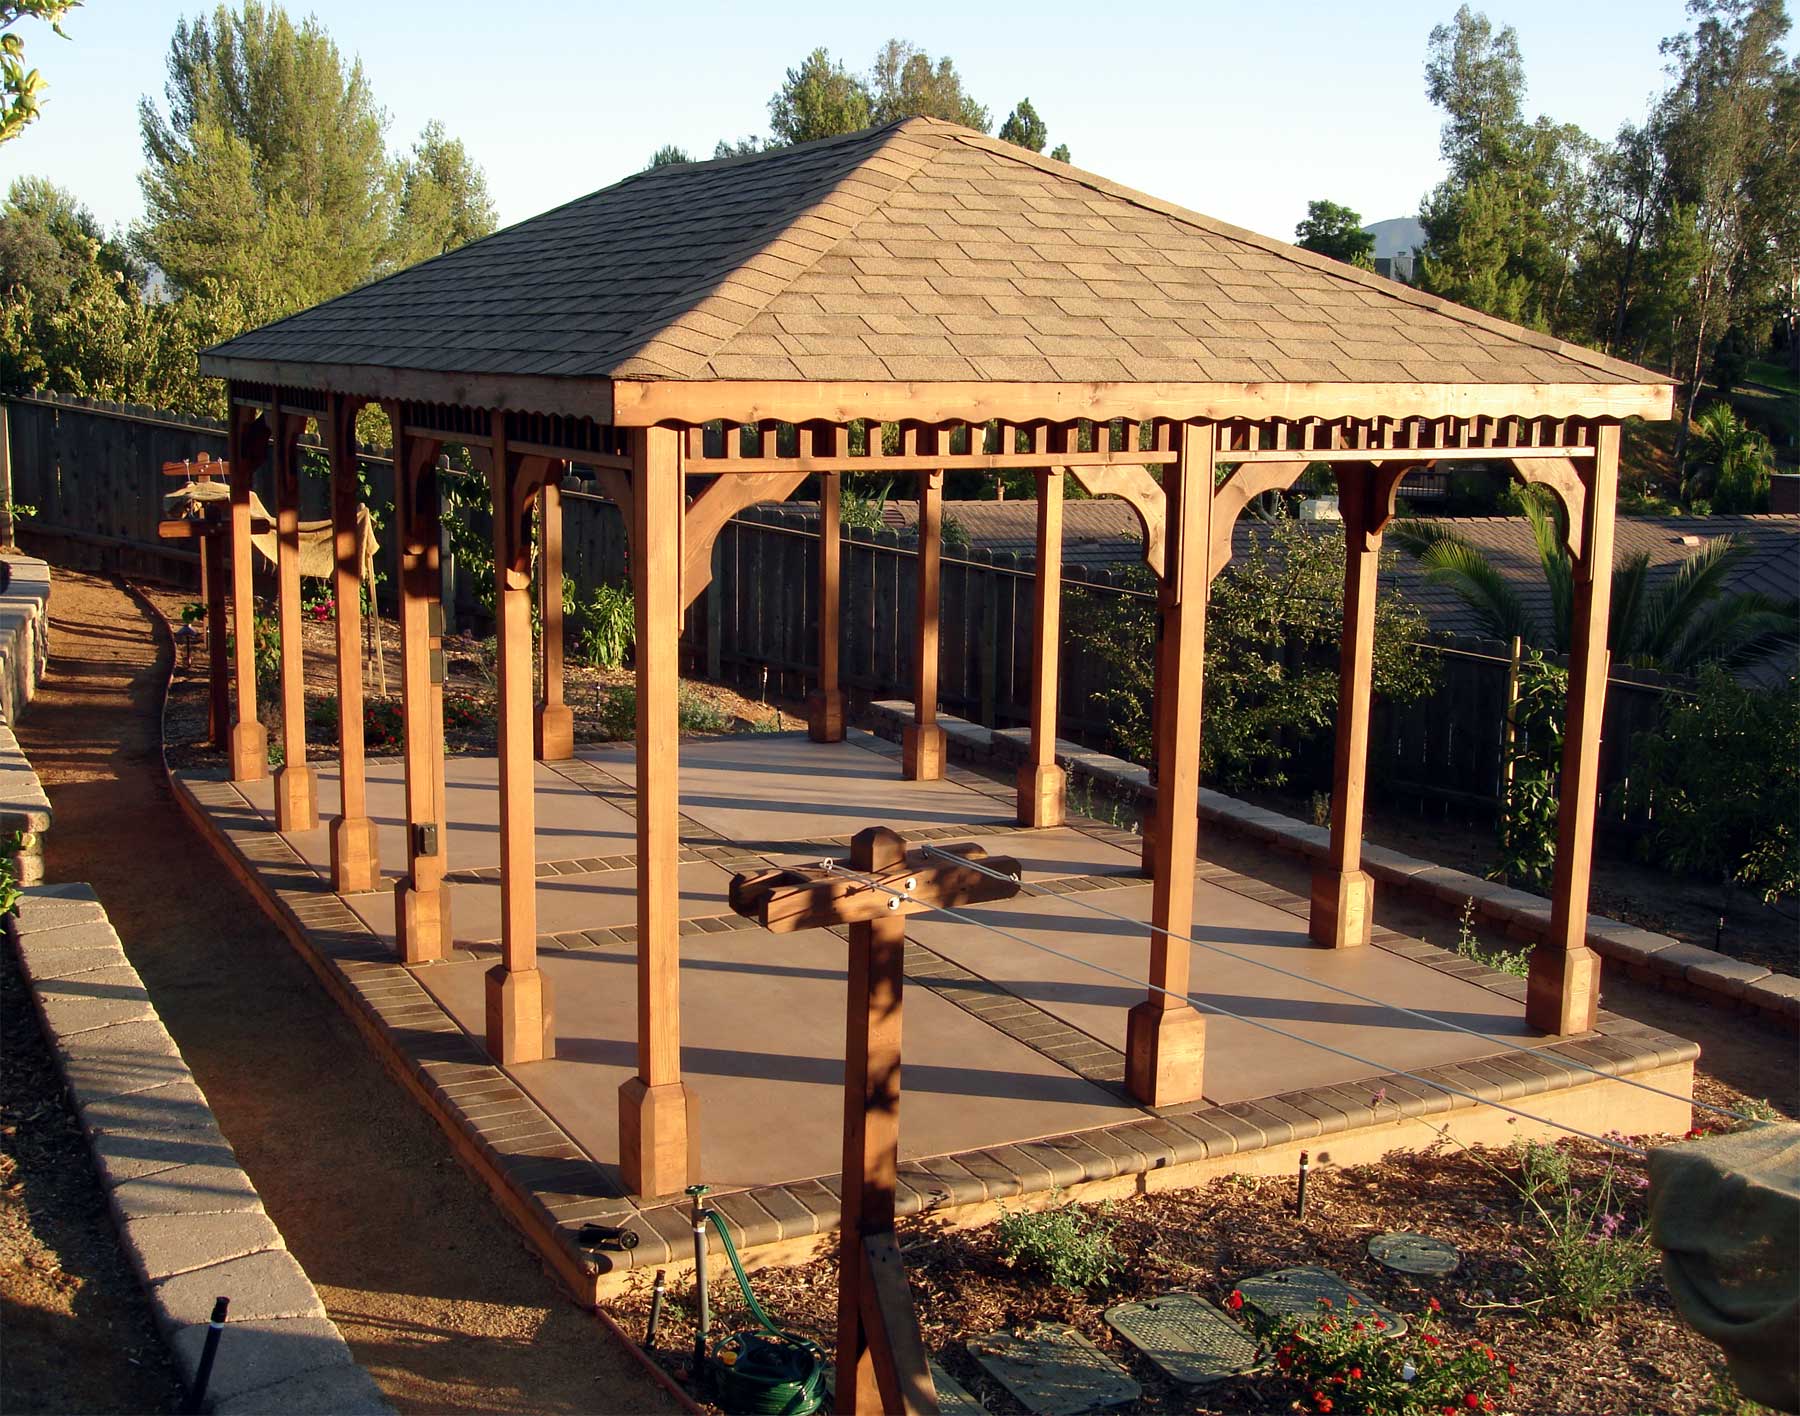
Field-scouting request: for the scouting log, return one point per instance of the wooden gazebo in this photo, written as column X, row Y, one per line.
column 914, row 299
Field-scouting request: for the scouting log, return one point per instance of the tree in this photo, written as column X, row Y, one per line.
column 1739, row 457
column 444, row 200
column 668, row 155
column 743, row 147
column 1025, row 128
column 1683, row 623
column 1060, row 152
column 19, row 86
column 270, row 168
column 1336, row 231
column 905, row 83
column 820, row 99
column 47, row 236
column 1478, row 78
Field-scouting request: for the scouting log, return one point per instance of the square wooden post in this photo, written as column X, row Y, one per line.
column 658, row 1138
column 1165, row 1037
column 1041, row 781
column 825, row 706
column 553, row 733
column 355, row 854
column 520, row 1017
column 1563, row 986
column 922, row 742
column 421, row 898
column 1343, row 894
column 213, row 573
column 249, row 441
column 296, row 789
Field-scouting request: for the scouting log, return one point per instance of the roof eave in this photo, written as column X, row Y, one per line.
column 531, row 393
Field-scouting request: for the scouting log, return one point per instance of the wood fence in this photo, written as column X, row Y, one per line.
column 92, row 472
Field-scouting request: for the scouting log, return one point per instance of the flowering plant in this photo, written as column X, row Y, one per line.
column 1347, row 1361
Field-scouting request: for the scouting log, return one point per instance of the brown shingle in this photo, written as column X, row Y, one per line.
column 919, row 251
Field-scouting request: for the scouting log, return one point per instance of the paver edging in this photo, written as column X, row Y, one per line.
column 189, row 1219
column 1681, row 967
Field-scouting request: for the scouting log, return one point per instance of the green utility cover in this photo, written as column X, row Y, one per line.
column 1187, row 1337
column 1296, row 1292
column 1052, row 1370
column 1415, row 1253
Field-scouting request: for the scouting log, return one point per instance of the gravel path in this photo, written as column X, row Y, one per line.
column 437, row 1296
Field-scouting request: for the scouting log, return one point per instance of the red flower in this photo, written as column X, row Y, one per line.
column 1512, row 1369
column 1358, row 1327
column 1431, row 1339
column 1435, row 1306
column 1350, row 1301
column 1473, row 1401
column 1381, row 1325
column 1235, row 1301
column 1487, row 1403
column 1325, row 1303
column 1321, row 1401
column 1488, row 1353
column 1356, row 1374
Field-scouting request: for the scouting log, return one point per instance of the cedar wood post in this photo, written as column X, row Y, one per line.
column 1343, row 894
column 1563, row 987
column 1041, row 781
column 658, row 1141
column 520, row 1018
column 1165, row 1037
column 421, row 899
column 355, row 858
column 296, row 788
column 825, row 707
column 218, row 663
column 554, row 731
column 922, row 742
column 249, row 442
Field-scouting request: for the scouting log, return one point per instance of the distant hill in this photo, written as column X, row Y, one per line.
column 1402, row 233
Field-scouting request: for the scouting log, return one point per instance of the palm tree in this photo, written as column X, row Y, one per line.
column 1677, row 626
column 1741, row 458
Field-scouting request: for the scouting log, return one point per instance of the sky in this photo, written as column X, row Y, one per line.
column 1241, row 111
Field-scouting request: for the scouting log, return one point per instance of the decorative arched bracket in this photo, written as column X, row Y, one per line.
column 1559, row 474
column 1132, row 483
column 515, row 480
column 707, row 514
column 1244, row 486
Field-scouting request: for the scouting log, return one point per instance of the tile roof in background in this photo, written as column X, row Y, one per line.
column 917, row 252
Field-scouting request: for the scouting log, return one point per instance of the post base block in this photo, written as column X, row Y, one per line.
column 922, row 752
column 421, row 923
column 1562, row 989
column 825, row 715
column 521, row 1023
column 659, row 1140
column 1343, row 908
column 1165, row 1053
column 355, row 855
column 249, row 752
column 1042, row 791
column 553, row 734
column 296, row 798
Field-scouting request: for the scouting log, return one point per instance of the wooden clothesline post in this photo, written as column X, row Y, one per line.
column 209, row 525
column 553, row 733
column 248, row 437
column 296, row 788
column 881, row 1362
column 355, row 853
column 922, row 741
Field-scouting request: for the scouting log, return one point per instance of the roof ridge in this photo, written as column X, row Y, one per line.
column 1325, row 265
column 813, row 219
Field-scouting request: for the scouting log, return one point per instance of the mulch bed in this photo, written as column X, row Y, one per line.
column 1637, row 1357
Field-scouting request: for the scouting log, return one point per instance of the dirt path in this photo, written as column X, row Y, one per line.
column 436, row 1295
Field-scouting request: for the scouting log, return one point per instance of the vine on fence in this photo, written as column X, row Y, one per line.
column 1531, row 763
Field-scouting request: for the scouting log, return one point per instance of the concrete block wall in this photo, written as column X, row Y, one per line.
column 24, row 631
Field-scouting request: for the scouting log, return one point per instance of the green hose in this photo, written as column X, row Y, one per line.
column 767, row 1373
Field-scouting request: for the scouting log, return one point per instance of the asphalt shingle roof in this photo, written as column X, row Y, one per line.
column 921, row 251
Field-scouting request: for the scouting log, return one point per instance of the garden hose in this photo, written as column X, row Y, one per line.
column 766, row 1373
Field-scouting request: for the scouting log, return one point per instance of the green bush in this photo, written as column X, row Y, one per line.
column 605, row 623
column 1529, row 803
column 1582, row 1253
column 618, row 711
column 1071, row 1245
column 699, row 716
column 1516, row 962
column 1721, row 775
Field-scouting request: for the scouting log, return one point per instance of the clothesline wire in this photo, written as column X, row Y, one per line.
column 1613, row 1142
column 1430, row 1018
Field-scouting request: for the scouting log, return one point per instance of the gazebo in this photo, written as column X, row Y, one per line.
column 911, row 300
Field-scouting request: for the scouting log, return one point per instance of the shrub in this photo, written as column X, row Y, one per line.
column 618, row 711
column 605, row 621
column 1583, row 1253
column 1071, row 1245
column 1345, row 1362
column 1721, row 774
column 464, row 715
column 858, row 511
column 1529, row 803
column 699, row 716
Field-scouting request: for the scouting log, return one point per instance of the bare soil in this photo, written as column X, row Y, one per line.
column 437, row 1296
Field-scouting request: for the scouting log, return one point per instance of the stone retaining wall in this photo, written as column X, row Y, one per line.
column 189, row 1219
column 1668, row 962
column 24, row 631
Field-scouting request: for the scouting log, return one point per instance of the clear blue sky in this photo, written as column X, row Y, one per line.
column 1242, row 111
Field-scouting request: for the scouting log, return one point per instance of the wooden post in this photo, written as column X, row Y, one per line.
column 658, row 1137
column 520, row 1017
column 421, row 899
column 1041, row 781
column 922, row 742
column 355, row 853
column 296, row 789
column 1165, row 1037
column 881, row 1362
column 249, row 441
column 825, row 707
column 554, row 731
column 1563, row 987
column 213, row 537
column 1343, row 894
